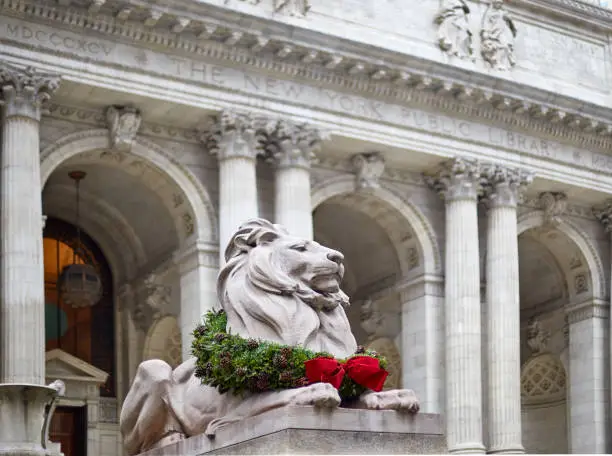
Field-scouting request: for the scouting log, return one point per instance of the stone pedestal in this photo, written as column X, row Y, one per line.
column 25, row 416
column 309, row 430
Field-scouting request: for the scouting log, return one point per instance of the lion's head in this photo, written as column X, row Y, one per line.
column 282, row 288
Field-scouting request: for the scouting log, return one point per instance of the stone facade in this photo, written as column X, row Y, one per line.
column 457, row 152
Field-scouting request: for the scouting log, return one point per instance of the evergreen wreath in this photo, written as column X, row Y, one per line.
column 232, row 363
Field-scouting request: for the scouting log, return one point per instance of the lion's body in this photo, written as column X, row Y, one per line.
column 274, row 287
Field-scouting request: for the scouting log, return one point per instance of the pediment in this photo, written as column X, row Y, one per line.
column 64, row 366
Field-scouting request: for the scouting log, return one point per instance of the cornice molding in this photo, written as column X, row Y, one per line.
column 572, row 9
column 449, row 90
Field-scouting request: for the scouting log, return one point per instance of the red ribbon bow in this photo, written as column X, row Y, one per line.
column 363, row 370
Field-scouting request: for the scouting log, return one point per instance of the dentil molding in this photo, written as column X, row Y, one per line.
column 178, row 26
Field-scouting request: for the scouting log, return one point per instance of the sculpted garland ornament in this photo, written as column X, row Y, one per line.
column 283, row 325
column 231, row 363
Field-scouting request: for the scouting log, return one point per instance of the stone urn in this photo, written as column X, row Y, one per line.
column 25, row 415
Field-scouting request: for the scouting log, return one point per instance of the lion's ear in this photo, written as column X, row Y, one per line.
column 265, row 237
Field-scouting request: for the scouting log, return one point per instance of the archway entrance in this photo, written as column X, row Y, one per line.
column 554, row 277
column 85, row 333
column 372, row 236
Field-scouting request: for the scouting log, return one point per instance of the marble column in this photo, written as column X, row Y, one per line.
column 198, row 267
column 458, row 182
column 234, row 138
column 292, row 148
column 589, row 354
column 502, row 190
column 22, row 326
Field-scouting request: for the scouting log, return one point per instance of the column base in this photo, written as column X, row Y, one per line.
column 25, row 415
column 468, row 448
column 518, row 449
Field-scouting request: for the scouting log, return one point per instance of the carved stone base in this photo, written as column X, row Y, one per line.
column 308, row 430
column 25, row 415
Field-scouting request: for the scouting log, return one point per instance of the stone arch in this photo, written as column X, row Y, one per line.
column 594, row 264
column 97, row 140
column 423, row 231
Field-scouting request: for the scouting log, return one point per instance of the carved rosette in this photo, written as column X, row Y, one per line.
column 604, row 214
column 234, row 134
column 554, row 205
column 293, row 145
column 123, row 123
column 457, row 179
column 24, row 91
column 503, row 186
column 369, row 168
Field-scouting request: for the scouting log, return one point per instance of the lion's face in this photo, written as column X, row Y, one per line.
column 308, row 262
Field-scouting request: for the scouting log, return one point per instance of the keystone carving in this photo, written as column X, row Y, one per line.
column 604, row 214
column 153, row 302
column 369, row 168
column 497, row 37
column 554, row 205
column 123, row 123
column 454, row 34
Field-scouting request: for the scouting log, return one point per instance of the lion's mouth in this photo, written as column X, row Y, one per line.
column 327, row 283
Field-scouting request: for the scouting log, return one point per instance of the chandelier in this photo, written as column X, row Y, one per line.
column 79, row 283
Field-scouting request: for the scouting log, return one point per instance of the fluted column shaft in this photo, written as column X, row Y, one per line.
column 502, row 189
column 291, row 147
column 458, row 182
column 293, row 207
column 22, row 322
column 234, row 138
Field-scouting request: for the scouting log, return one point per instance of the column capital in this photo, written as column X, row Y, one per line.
column 25, row 90
column 234, row 134
column 292, row 144
column 503, row 185
column 603, row 213
column 457, row 179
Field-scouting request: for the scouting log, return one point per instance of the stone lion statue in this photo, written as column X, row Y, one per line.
column 275, row 287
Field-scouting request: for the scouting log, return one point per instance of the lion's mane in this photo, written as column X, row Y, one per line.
column 263, row 301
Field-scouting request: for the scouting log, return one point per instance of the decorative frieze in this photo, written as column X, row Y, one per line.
column 123, row 123
column 382, row 80
column 587, row 311
column 292, row 7
column 457, row 179
column 369, row 168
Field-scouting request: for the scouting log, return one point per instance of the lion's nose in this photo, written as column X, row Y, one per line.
column 335, row 256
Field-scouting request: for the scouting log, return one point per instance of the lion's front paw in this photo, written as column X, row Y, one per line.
column 317, row 394
column 401, row 399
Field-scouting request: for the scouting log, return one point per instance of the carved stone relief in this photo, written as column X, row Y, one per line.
column 151, row 304
column 497, row 33
column 369, row 168
column 537, row 336
column 554, row 205
column 371, row 320
column 123, row 123
column 497, row 37
column 454, row 34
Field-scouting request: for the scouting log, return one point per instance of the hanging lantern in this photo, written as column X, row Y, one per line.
column 79, row 284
